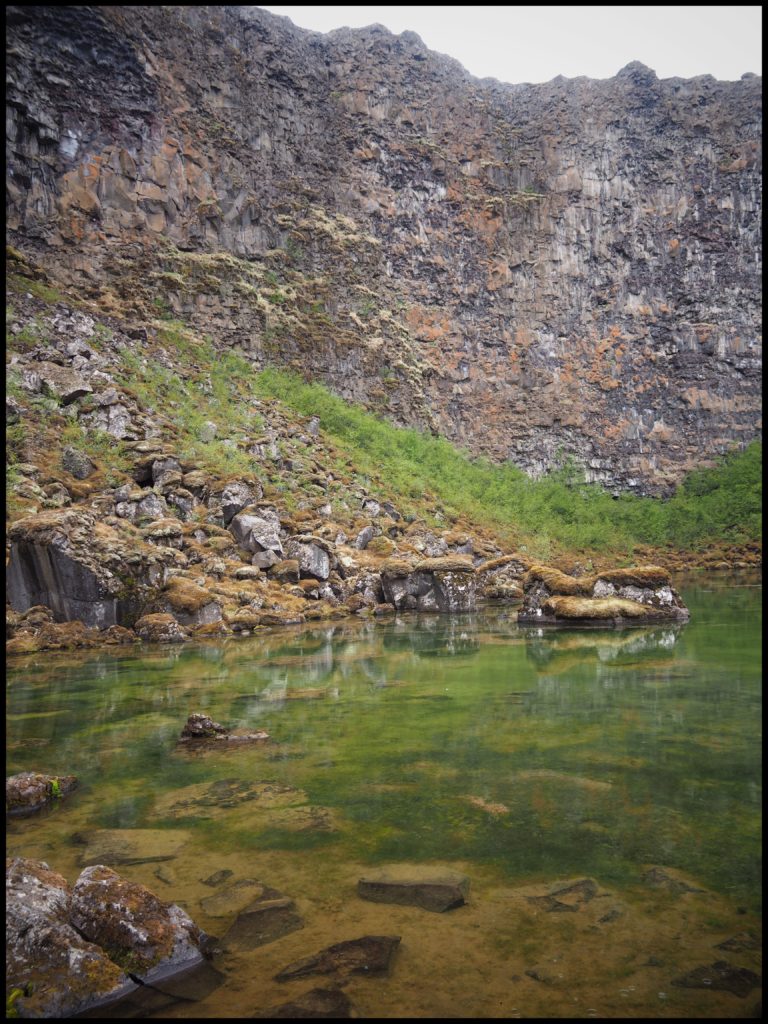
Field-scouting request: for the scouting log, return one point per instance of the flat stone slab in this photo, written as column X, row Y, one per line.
column 370, row 954
column 130, row 845
column 435, row 889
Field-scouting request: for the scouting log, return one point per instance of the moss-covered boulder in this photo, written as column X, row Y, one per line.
column 29, row 792
column 59, row 971
column 611, row 597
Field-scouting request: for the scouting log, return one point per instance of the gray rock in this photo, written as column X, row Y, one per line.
column 62, row 383
column 133, row 923
column 433, row 585
column 232, row 899
column 257, row 532
column 720, row 976
column 332, row 1003
column 236, row 496
column 165, row 471
column 248, row 572
column 113, row 419
column 151, row 506
column 59, row 560
column 207, row 432
column 364, row 538
column 71, row 973
column 313, row 559
column 77, row 463
column 199, row 726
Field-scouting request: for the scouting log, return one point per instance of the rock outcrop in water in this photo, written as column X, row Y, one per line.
column 613, row 597
column 534, row 271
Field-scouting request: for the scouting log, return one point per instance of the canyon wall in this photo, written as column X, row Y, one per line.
column 533, row 271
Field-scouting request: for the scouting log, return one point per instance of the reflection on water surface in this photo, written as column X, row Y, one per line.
column 520, row 757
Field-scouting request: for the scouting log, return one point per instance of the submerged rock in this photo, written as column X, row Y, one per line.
column 265, row 919
column 130, row 845
column 332, row 1003
column 566, row 896
column 720, row 976
column 613, row 597
column 29, row 792
column 370, row 954
column 415, row 885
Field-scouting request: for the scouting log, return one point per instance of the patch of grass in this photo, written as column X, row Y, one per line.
column 42, row 291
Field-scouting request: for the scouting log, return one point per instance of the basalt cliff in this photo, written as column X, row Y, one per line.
column 532, row 271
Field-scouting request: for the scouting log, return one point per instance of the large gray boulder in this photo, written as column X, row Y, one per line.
column 71, row 973
column 433, row 585
column 257, row 530
column 312, row 554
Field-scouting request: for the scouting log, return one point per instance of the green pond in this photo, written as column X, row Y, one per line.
column 519, row 757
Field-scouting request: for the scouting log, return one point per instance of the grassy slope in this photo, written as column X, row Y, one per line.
column 718, row 510
column 714, row 506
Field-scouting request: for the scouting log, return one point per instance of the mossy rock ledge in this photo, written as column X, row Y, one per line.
column 614, row 597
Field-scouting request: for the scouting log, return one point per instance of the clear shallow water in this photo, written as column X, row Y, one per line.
column 520, row 757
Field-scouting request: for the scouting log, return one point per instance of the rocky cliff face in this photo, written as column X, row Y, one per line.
column 532, row 271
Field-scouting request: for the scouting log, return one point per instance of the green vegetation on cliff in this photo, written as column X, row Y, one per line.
column 560, row 511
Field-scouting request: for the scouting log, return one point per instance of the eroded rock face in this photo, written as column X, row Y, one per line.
column 634, row 596
column 81, row 568
column 607, row 303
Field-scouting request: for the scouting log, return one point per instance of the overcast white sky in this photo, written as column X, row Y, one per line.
column 534, row 44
